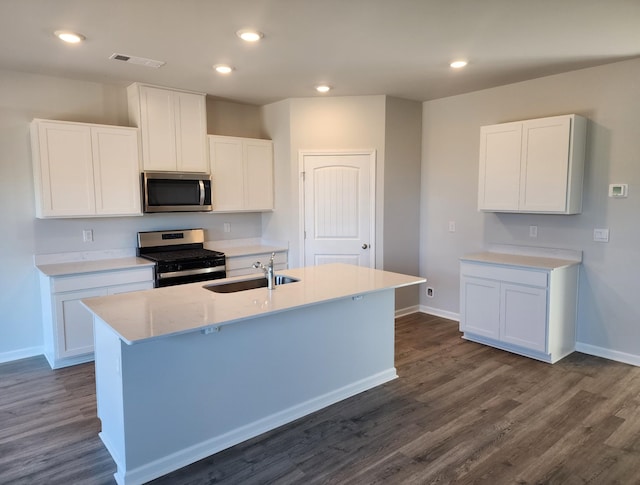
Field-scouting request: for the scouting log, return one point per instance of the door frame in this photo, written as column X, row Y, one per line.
column 371, row 153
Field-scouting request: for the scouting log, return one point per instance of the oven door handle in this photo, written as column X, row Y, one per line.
column 189, row 272
column 201, row 184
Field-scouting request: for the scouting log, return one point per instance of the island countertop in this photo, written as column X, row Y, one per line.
column 161, row 312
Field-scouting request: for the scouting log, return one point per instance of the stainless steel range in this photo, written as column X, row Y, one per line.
column 180, row 257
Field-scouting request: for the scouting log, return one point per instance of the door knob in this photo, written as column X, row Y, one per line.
column 365, row 246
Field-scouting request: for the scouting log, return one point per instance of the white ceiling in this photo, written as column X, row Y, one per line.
column 396, row 47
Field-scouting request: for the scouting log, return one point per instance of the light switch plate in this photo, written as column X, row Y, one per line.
column 601, row 235
column 533, row 231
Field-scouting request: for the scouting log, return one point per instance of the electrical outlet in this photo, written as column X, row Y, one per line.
column 430, row 292
column 227, row 227
column 601, row 235
column 87, row 235
column 533, row 231
column 452, row 226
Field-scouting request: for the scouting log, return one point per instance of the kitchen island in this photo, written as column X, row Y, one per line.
column 183, row 372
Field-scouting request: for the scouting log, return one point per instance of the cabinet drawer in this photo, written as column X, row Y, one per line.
column 241, row 262
column 97, row 280
column 528, row 277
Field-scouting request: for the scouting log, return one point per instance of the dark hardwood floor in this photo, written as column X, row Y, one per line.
column 459, row 413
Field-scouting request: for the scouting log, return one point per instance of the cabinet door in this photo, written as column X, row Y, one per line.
column 74, row 323
column 545, row 164
column 116, row 170
column 258, row 169
column 499, row 174
column 524, row 316
column 227, row 172
column 191, row 132
column 480, row 307
column 64, row 169
column 157, row 122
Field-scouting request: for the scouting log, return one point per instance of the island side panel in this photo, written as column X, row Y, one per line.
column 191, row 395
column 108, row 347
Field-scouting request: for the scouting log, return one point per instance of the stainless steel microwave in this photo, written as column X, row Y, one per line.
column 176, row 192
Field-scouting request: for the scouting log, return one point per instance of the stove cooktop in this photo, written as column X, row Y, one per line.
column 182, row 255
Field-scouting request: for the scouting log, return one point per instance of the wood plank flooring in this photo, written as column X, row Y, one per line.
column 459, row 413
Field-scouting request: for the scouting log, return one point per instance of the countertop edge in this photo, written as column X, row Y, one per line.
column 92, row 266
column 518, row 260
column 102, row 306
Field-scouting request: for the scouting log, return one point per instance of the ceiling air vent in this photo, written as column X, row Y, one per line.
column 141, row 61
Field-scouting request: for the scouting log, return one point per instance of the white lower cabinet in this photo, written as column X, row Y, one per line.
column 243, row 265
column 530, row 311
column 68, row 325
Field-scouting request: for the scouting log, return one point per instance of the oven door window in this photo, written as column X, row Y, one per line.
column 166, row 192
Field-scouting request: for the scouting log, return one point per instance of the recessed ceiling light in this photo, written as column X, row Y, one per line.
column 323, row 88
column 249, row 35
column 223, row 68
column 68, row 36
column 458, row 64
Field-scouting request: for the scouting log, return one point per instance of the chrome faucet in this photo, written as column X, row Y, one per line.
column 268, row 271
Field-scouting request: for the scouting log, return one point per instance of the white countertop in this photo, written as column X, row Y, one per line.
column 249, row 250
column 524, row 261
column 159, row 312
column 245, row 247
column 93, row 266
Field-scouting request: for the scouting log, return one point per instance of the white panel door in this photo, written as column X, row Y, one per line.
column 524, row 316
column 545, row 164
column 499, row 174
column 227, row 173
column 191, row 132
column 158, row 129
column 339, row 208
column 258, row 158
column 480, row 306
column 74, row 323
column 116, row 170
column 66, row 169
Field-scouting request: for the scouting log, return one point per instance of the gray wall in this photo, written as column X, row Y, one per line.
column 349, row 123
column 22, row 98
column 401, row 223
column 391, row 126
column 609, row 313
column 234, row 119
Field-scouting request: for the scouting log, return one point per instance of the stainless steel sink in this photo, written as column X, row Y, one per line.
column 251, row 284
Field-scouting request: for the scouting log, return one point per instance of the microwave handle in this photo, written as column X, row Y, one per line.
column 201, row 184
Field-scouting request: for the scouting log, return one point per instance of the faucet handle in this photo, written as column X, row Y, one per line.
column 257, row 265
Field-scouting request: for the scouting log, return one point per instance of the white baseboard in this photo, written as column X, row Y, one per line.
column 440, row 313
column 20, row 354
column 157, row 468
column 631, row 359
column 407, row 311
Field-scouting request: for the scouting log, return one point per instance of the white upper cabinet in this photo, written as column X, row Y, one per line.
column 242, row 172
column 173, row 126
column 533, row 166
column 116, row 170
column 81, row 169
